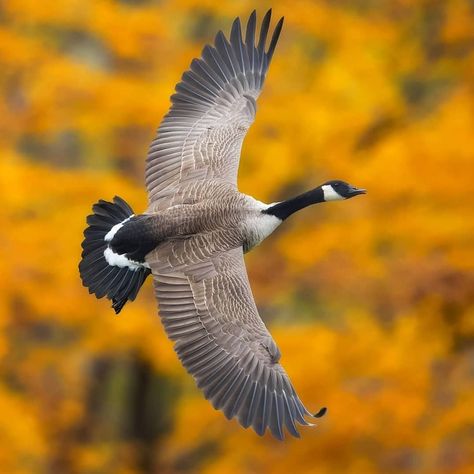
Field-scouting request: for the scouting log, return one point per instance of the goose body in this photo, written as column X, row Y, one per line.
column 197, row 227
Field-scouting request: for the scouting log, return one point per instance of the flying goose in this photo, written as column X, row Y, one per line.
column 195, row 231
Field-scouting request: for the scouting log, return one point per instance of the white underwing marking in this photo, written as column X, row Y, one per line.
column 110, row 234
column 330, row 193
column 120, row 260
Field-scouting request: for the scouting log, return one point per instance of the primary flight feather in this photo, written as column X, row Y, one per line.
column 197, row 227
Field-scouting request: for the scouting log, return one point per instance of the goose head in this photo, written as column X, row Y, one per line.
column 337, row 190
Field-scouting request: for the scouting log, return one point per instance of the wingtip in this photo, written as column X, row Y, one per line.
column 252, row 17
column 236, row 23
column 277, row 432
column 275, row 37
column 219, row 34
column 250, row 31
column 267, row 17
column 321, row 412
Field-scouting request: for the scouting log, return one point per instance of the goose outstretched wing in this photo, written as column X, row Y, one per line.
column 212, row 109
column 207, row 308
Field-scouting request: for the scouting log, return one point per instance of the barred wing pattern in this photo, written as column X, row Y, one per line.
column 223, row 343
column 212, row 109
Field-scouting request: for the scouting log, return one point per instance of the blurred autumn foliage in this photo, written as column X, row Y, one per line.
column 370, row 301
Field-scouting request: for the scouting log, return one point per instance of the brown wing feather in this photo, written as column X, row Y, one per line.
column 223, row 343
column 212, row 109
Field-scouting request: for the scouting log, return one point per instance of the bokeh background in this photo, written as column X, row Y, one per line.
column 370, row 301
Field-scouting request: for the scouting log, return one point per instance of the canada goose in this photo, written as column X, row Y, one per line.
column 194, row 233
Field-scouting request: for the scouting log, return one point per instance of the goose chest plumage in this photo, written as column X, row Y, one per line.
column 197, row 227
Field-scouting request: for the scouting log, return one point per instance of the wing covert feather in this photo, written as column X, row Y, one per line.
column 223, row 343
column 211, row 111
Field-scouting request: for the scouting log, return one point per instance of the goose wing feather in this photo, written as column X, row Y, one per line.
column 208, row 309
column 211, row 111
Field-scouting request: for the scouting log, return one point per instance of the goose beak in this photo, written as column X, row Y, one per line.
column 353, row 191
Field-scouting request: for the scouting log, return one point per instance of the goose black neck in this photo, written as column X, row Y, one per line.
column 284, row 209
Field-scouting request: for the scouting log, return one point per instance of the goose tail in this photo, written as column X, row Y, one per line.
column 103, row 271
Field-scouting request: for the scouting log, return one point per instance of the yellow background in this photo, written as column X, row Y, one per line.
column 370, row 300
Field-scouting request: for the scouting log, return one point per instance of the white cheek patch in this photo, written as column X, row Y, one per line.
column 122, row 261
column 330, row 194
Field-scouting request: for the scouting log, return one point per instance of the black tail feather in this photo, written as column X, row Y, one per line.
column 119, row 284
